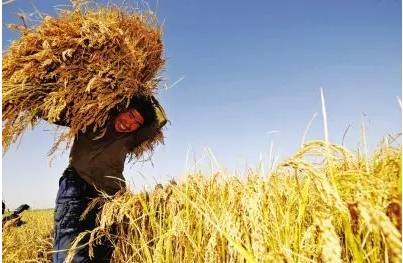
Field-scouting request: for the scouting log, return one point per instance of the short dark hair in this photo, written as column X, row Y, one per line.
column 143, row 105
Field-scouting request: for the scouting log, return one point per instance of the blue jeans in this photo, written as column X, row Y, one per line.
column 72, row 199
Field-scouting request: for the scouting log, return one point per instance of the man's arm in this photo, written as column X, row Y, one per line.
column 149, row 131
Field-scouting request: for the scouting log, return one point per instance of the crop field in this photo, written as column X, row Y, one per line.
column 31, row 242
column 323, row 204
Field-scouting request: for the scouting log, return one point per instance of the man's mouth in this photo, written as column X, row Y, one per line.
column 122, row 126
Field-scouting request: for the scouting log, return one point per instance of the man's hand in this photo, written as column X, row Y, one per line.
column 128, row 121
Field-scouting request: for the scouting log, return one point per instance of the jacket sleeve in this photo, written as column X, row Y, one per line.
column 143, row 134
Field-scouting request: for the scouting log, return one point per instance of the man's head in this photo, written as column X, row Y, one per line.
column 128, row 121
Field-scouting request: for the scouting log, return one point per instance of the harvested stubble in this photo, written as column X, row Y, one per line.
column 79, row 66
column 330, row 208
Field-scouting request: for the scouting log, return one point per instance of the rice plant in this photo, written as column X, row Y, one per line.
column 31, row 242
column 324, row 204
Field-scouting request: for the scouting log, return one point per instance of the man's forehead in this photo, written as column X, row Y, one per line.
column 132, row 110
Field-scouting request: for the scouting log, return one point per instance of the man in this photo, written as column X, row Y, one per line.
column 97, row 165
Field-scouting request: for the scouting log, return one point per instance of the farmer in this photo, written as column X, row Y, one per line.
column 96, row 164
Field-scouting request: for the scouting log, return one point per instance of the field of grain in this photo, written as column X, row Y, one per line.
column 31, row 242
column 324, row 204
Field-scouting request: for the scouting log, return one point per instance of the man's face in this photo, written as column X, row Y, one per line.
column 128, row 121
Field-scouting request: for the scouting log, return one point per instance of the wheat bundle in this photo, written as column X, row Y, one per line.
column 80, row 66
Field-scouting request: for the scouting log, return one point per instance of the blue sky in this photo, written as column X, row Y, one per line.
column 248, row 68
